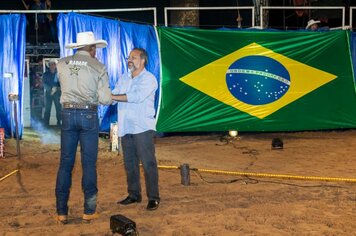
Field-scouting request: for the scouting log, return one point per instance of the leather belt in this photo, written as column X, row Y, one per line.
column 68, row 105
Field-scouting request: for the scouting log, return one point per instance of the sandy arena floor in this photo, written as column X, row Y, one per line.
column 213, row 204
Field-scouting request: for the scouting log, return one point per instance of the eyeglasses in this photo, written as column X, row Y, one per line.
column 132, row 58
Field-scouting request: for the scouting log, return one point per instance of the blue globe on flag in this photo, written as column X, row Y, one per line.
column 257, row 80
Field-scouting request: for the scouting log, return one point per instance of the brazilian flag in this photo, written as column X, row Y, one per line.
column 216, row 80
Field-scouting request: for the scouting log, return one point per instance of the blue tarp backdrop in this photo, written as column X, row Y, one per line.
column 12, row 65
column 121, row 38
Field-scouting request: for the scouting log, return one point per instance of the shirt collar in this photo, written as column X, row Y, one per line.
column 82, row 52
column 143, row 71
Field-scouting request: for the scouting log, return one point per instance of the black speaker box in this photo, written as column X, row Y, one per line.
column 123, row 225
column 277, row 143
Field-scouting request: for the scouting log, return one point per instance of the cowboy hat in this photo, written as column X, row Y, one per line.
column 85, row 39
column 311, row 22
column 52, row 61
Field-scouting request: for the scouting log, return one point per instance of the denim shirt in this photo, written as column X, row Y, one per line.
column 50, row 80
column 137, row 115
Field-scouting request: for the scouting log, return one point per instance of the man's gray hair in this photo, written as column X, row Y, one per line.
column 143, row 54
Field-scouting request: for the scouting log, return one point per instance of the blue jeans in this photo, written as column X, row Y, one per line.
column 136, row 148
column 82, row 126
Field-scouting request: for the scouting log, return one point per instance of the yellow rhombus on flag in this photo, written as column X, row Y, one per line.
column 211, row 80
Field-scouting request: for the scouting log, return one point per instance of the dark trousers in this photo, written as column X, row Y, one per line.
column 78, row 126
column 136, row 148
column 48, row 106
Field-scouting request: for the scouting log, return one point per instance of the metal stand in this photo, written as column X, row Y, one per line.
column 14, row 98
column 17, row 131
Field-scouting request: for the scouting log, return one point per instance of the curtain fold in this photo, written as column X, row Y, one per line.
column 12, row 65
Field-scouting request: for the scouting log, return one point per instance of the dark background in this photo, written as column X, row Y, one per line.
column 206, row 17
column 279, row 19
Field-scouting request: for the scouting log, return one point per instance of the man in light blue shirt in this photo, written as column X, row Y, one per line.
column 135, row 94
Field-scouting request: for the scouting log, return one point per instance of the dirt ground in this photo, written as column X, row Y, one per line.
column 213, row 204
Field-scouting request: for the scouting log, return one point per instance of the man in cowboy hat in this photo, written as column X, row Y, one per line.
column 85, row 84
column 52, row 92
column 312, row 25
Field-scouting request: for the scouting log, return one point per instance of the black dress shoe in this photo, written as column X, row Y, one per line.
column 129, row 200
column 152, row 205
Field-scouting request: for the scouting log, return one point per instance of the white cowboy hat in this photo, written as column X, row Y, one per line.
column 85, row 39
column 52, row 61
column 312, row 22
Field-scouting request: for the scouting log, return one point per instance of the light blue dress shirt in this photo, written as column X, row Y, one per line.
column 137, row 115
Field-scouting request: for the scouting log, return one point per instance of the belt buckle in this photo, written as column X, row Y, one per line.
column 71, row 105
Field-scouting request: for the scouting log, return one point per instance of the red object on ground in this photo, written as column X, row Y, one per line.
column 2, row 138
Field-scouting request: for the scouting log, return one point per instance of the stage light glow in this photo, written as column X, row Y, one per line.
column 233, row 133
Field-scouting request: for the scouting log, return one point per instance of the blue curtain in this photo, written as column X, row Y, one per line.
column 121, row 38
column 140, row 36
column 353, row 51
column 12, row 65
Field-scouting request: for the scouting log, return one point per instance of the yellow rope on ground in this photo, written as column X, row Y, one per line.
column 168, row 167
column 8, row 175
column 266, row 175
